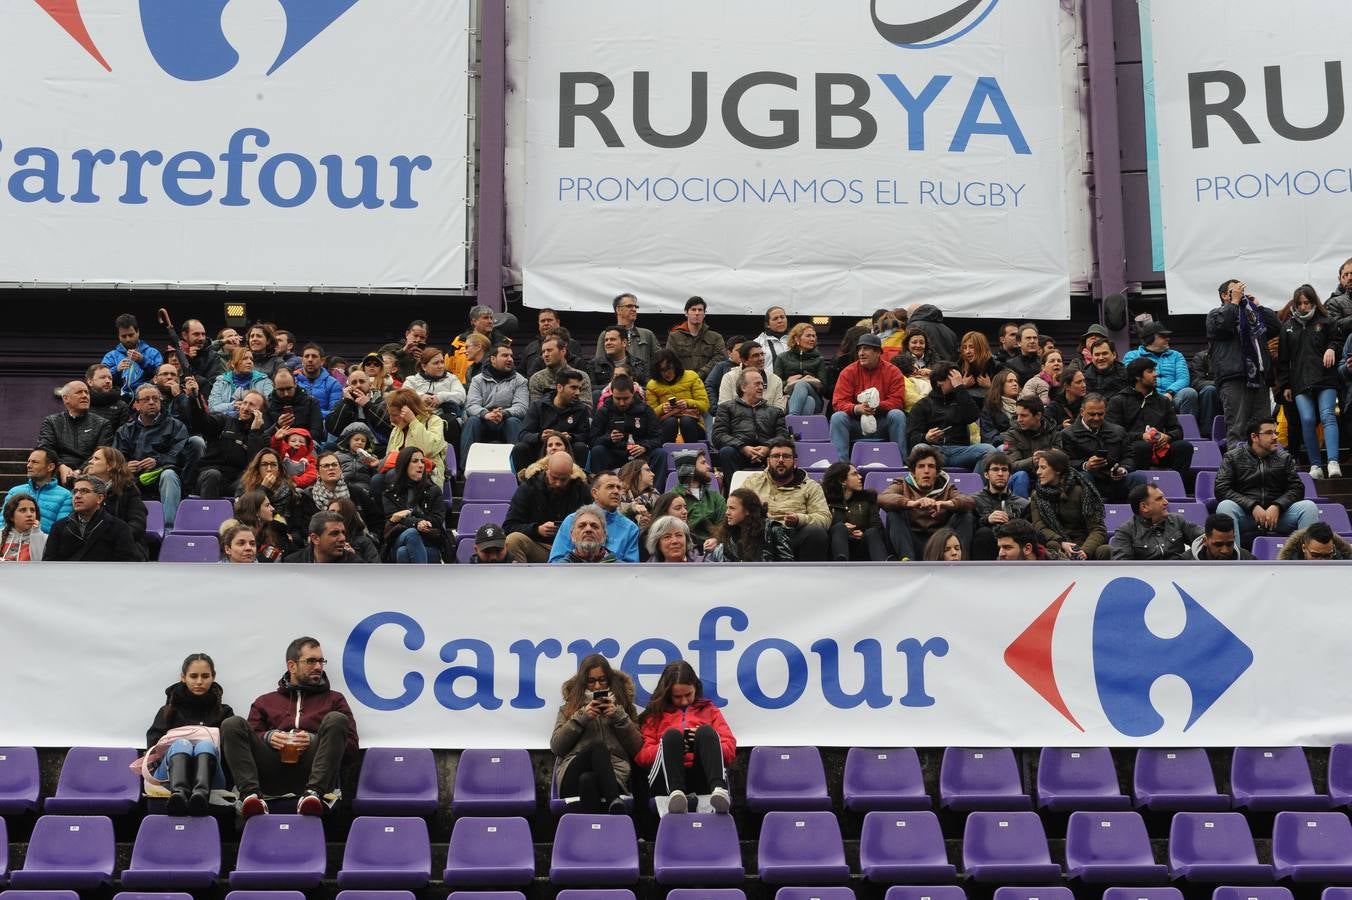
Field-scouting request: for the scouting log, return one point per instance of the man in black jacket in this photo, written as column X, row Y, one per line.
column 539, row 505
column 563, row 412
column 105, row 401
column 89, row 534
column 1028, row 361
column 1032, row 431
column 625, row 429
column 290, row 407
column 327, row 542
column 1237, row 332
column 73, row 434
column 1153, row 533
column 1154, row 437
column 744, row 428
column 1259, row 487
column 1106, row 376
column 942, row 419
column 1098, row 448
column 995, row 506
column 231, row 441
column 155, row 442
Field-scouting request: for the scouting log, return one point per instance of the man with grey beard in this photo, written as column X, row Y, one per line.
column 589, row 537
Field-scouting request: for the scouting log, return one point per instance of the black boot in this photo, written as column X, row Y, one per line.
column 201, row 792
column 179, row 784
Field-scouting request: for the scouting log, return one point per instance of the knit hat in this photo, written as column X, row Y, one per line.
column 685, row 463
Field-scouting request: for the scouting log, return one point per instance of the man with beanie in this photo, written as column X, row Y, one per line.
column 705, row 507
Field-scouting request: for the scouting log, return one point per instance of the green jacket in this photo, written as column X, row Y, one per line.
column 705, row 514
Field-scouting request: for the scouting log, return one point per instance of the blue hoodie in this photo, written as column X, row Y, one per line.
column 1171, row 369
column 327, row 390
column 53, row 501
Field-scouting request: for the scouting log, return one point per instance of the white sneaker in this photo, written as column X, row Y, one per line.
column 677, row 802
column 1317, row 473
column 720, row 800
column 1335, row 470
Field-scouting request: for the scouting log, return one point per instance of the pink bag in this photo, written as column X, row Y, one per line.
column 147, row 764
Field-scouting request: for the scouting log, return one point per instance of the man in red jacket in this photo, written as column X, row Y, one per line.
column 889, row 421
column 296, row 736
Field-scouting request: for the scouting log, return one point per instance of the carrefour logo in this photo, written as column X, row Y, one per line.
column 935, row 28
column 1128, row 657
column 185, row 36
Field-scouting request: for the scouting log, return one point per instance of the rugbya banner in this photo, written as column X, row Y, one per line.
column 1253, row 172
column 826, row 157
column 919, row 655
column 279, row 143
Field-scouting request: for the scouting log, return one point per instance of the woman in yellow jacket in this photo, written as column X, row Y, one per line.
column 679, row 399
column 414, row 425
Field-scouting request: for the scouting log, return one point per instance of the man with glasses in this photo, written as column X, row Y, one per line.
column 290, row 407
column 1258, row 486
column 1318, row 542
column 295, row 739
column 794, row 500
column 89, row 534
column 154, row 444
column 642, row 342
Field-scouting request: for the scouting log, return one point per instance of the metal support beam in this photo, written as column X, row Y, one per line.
column 1110, row 250
column 492, row 149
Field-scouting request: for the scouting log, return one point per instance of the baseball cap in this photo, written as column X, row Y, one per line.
column 1151, row 329
column 685, row 462
column 490, row 537
column 870, row 340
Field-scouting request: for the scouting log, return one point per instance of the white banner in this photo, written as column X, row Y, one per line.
column 917, row 655
column 1254, row 171
column 826, row 157
column 280, row 143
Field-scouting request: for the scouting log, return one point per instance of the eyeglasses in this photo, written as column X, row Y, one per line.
column 782, row 456
column 1311, row 553
column 328, row 465
column 315, row 661
column 628, row 306
column 267, row 464
column 1268, row 433
column 80, row 490
column 603, row 681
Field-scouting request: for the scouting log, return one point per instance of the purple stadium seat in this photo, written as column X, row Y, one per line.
column 265, row 895
column 1172, row 779
column 152, row 895
column 4, row 852
column 1078, row 778
column 1194, row 512
column 375, row 895
column 1206, row 455
column 155, row 519
column 592, row 894
column 1033, row 893
column 1312, row 846
column 475, row 513
column 174, row 853
column 1340, row 774
column 599, row 850
column 19, row 780
column 981, row 779
column 1268, row 779
column 816, row 454
column 904, row 846
column 809, row 428
column 1142, row 893
column 967, row 482
column 1115, row 515
column 801, row 848
column 1204, row 489
column 490, row 850
column 786, row 778
column 1168, row 481
column 1007, row 847
column 202, row 516
column 190, row 548
column 280, row 852
column 1335, row 514
column 814, row 893
column 1111, row 848
column 68, row 853
column 926, row 892
column 397, row 782
column 1251, row 893
column 1267, row 546
column 1214, row 847
column 884, row 779
column 452, row 464
column 817, row 475
column 1311, row 491
column 676, row 446
column 489, row 487
column 494, row 783
column 876, row 480
column 876, row 455
column 671, row 481
column 1191, row 432
column 96, row 781
column 698, row 849
column 1218, row 429
column 39, row 895
column 706, row 894
column 502, row 895
column 386, row 852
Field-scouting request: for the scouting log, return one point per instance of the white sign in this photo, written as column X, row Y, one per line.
column 286, row 143
column 916, row 655
column 827, row 157
column 1252, row 138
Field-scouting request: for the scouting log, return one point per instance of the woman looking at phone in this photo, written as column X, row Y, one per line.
column 686, row 742
column 595, row 735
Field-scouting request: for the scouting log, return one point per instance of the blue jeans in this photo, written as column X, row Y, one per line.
column 201, row 748
column 171, row 492
column 1326, row 398
column 845, row 431
column 479, row 429
column 409, row 548
column 1301, row 514
column 968, row 457
column 803, row 399
column 1021, row 484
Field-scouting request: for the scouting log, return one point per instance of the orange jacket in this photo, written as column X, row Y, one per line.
column 854, row 378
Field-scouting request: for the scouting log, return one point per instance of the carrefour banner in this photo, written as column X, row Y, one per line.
column 1253, row 170
column 284, row 143
column 825, row 157
column 918, row 654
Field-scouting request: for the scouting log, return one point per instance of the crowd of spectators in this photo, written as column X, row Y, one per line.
column 331, row 462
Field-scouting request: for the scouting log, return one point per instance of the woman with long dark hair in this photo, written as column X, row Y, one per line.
column 637, row 494
column 1067, row 508
column 21, row 538
column 255, row 510
column 415, row 511
column 747, row 535
column 998, row 412
column 595, row 736
column 190, row 718
column 1306, row 376
column 266, row 473
column 679, row 399
column 944, row 546
column 856, row 526
column 687, row 744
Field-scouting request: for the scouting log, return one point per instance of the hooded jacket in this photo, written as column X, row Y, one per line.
column 801, row 496
column 1140, row 539
column 574, row 421
column 429, row 437
column 226, row 389
column 1250, row 481
column 1294, row 547
column 162, row 440
column 638, row 422
column 705, row 514
column 352, row 466
column 1199, row 552
column 183, row 707
column 136, row 374
column 299, row 461
column 940, row 339
column 698, row 353
column 577, row 734
column 105, row 539
column 955, row 411
column 1171, row 368
column 326, row 389
column 303, row 407
column 446, row 389
column 294, row 707
column 854, row 379
column 53, row 500
column 621, row 538
column 534, row 503
column 701, row 712
column 1300, row 355
column 73, row 438
column 738, row 424
column 491, row 388
column 904, row 489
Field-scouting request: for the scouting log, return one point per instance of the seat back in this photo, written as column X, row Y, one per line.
column 1219, row 837
column 177, row 842
column 786, row 778
column 809, row 428
column 80, row 843
column 1079, row 770
column 494, row 782
column 190, row 548
column 988, row 771
column 202, row 516
column 397, row 779
column 883, row 779
column 1107, row 837
column 1004, row 837
column 911, row 837
column 876, row 455
column 93, row 774
column 1173, row 771
column 20, row 781
column 478, row 513
column 281, row 843
column 816, row 454
column 1311, row 837
column 1168, row 481
column 490, row 487
column 388, row 842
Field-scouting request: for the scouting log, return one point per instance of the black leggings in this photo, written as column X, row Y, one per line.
column 670, row 774
column 591, row 777
column 690, row 428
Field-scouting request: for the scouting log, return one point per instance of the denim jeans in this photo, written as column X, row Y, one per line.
column 478, row 429
column 803, row 399
column 1185, row 401
column 1301, row 514
column 171, row 492
column 408, row 547
column 1310, row 418
column 201, row 748
column 968, row 457
column 845, row 431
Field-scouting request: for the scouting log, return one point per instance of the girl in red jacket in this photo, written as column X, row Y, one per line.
column 686, row 741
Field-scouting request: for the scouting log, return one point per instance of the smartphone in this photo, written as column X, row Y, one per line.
column 603, row 694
